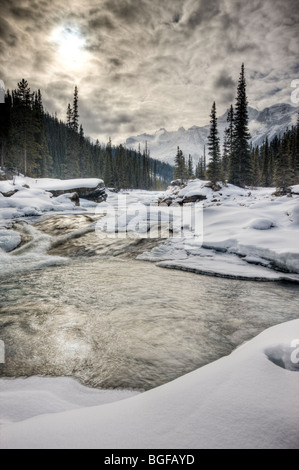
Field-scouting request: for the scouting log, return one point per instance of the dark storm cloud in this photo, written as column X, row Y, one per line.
column 151, row 63
column 102, row 21
column 224, row 81
column 116, row 62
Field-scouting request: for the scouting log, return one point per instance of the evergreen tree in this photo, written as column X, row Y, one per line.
column 240, row 164
column 44, row 168
column 75, row 117
column 190, row 168
column 38, row 144
column 228, row 144
column 266, row 164
column 180, row 166
column 214, row 170
column 69, row 116
column 84, row 156
column 5, row 121
column 283, row 174
column 204, row 163
column 255, row 166
column 108, row 166
column 25, row 150
column 200, row 169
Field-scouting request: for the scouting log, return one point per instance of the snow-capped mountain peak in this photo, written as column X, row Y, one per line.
column 163, row 144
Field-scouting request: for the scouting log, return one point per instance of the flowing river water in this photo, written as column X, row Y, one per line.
column 110, row 321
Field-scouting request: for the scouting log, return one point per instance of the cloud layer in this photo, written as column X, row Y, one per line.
column 149, row 64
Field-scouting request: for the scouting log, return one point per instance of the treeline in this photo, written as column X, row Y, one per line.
column 276, row 163
column 272, row 164
column 184, row 168
column 39, row 145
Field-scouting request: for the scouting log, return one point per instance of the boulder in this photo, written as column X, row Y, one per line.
column 75, row 198
column 169, row 201
column 10, row 193
column 195, row 198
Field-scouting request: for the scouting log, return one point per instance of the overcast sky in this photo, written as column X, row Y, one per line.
column 145, row 64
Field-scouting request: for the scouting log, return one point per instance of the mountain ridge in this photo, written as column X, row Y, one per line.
column 163, row 144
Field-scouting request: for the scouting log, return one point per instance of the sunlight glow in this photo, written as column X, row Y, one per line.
column 70, row 46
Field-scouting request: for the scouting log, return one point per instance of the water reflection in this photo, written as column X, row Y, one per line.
column 124, row 323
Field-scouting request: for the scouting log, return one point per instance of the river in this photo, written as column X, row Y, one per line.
column 110, row 321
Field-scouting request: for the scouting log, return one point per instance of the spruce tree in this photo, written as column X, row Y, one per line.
column 240, row 164
column 38, row 144
column 180, row 171
column 190, row 168
column 200, row 169
column 214, row 170
column 25, row 149
column 5, row 122
column 255, row 166
column 228, row 144
column 69, row 116
column 204, row 163
column 197, row 169
column 84, row 156
column 108, row 166
column 266, row 164
column 283, row 174
column 75, row 117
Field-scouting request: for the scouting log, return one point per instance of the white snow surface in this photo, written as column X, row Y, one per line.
column 237, row 223
column 246, row 233
column 23, row 399
column 9, row 240
column 241, row 401
column 49, row 184
column 37, row 199
column 65, row 185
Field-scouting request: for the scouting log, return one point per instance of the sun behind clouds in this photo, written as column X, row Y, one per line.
column 70, row 46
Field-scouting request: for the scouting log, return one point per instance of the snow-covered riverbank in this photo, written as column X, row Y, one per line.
column 27, row 197
column 246, row 400
column 247, row 234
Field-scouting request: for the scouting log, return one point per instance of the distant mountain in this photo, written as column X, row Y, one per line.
column 163, row 144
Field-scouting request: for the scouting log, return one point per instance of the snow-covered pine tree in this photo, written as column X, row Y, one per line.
column 214, row 170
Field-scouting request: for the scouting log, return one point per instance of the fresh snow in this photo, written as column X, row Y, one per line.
column 48, row 184
column 64, row 185
column 247, row 233
column 246, row 400
column 37, row 199
column 240, row 227
column 23, row 399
